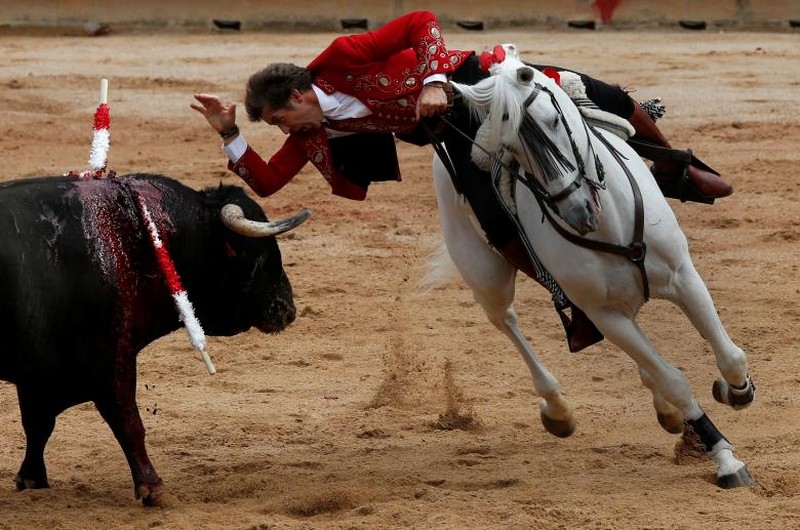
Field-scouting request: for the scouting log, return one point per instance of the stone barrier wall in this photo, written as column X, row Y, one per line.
column 327, row 14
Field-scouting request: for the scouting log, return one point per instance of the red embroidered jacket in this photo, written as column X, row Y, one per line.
column 384, row 69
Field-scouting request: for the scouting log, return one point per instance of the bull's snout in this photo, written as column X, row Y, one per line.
column 280, row 312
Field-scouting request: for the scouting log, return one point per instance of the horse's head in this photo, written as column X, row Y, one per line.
column 526, row 113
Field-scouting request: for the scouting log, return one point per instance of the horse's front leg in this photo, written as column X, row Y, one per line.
column 669, row 417
column 668, row 382
column 555, row 412
column 492, row 280
column 735, row 388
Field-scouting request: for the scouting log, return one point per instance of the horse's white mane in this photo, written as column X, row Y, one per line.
column 497, row 100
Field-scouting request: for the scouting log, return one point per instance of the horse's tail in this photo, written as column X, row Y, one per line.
column 439, row 270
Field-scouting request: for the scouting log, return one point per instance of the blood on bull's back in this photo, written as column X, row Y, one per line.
column 59, row 288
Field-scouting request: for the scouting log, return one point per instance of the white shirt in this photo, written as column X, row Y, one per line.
column 336, row 106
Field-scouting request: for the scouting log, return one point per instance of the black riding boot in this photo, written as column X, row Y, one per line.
column 666, row 171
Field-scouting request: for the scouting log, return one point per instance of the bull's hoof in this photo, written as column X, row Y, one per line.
column 672, row 423
column 739, row 479
column 560, row 428
column 30, row 483
column 155, row 497
column 735, row 398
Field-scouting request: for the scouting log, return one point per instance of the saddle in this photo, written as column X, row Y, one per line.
column 680, row 187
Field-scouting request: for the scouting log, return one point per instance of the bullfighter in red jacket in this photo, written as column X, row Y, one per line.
column 394, row 74
column 343, row 110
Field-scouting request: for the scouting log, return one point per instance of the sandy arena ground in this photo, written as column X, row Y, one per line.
column 384, row 408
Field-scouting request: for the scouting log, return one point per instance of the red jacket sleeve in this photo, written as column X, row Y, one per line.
column 418, row 31
column 265, row 178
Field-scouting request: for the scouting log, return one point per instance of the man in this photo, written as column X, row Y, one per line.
column 363, row 89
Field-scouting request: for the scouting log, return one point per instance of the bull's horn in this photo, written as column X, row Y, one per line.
column 233, row 217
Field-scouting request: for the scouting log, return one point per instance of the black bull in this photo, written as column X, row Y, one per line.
column 81, row 293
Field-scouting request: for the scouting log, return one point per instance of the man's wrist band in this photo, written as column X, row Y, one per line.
column 439, row 84
column 229, row 133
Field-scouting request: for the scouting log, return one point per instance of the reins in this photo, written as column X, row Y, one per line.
column 635, row 251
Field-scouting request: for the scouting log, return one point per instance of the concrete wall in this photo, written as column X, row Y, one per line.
column 325, row 14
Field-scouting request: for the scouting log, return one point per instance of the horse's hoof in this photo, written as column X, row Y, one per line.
column 738, row 479
column 672, row 423
column 560, row 428
column 735, row 398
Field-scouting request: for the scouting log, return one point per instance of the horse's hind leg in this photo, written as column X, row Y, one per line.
column 668, row 382
column 691, row 295
column 492, row 280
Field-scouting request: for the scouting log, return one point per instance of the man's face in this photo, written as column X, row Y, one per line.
column 302, row 113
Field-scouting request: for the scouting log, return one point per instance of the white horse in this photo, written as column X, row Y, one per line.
column 589, row 195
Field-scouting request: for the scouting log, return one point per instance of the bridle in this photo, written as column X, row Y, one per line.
column 637, row 249
column 547, row 156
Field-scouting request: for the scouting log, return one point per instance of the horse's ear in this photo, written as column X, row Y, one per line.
column 524, row 75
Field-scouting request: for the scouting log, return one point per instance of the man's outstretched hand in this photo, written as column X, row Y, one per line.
column 221, row 117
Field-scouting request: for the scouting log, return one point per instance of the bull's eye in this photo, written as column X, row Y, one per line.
column 230, row 251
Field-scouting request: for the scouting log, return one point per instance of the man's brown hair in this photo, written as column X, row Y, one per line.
column 272, row 87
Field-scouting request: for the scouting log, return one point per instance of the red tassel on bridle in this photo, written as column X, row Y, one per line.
column 487, row 59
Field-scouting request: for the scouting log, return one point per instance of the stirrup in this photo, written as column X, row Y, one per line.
column 581, row 332
column 683, row 189
column 680, row 188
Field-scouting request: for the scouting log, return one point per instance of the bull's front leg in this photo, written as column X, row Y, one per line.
column 117, row 405
column 38, row 420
